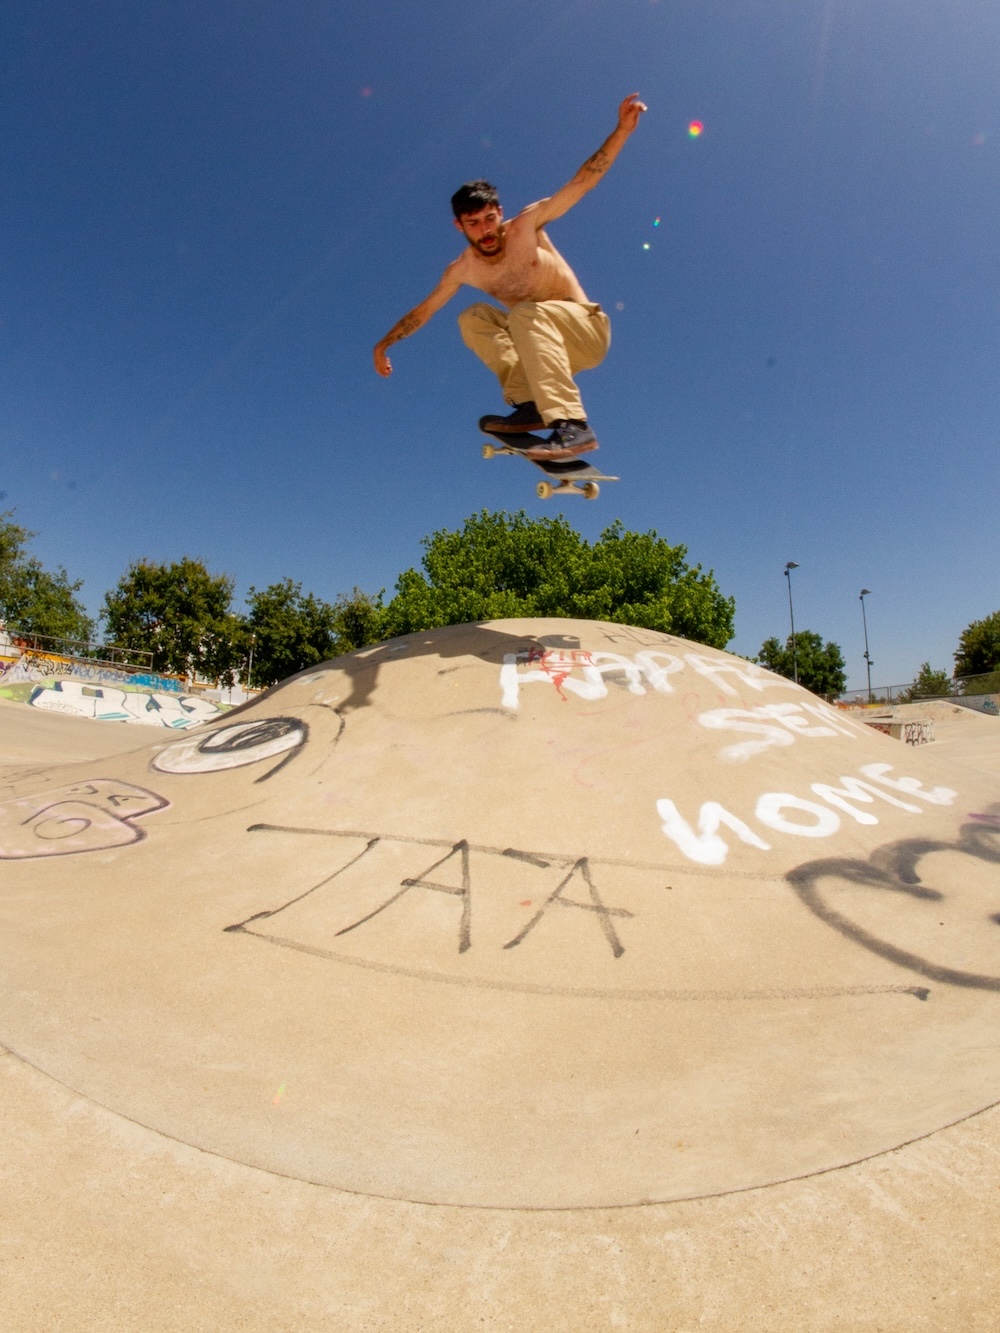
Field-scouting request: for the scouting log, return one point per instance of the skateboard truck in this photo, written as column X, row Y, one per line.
column 571, row 476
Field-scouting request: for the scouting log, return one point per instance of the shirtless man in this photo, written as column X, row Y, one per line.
column 549, row 330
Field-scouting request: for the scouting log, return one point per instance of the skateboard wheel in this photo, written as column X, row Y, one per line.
column 544, row 490
column 591, row 490
column 489, row 450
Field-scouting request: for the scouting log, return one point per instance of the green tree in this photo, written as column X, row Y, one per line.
column 929, row 684
column 979, row 647
column 288, row 631
column 32, row 598
column 359, row 619
column 181, row 614
column 820, row 666
column 501, row 565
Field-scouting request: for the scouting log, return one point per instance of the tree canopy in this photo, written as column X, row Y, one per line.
column 181, row 614
column 929, row 684
column 820, row 666
column 288, row 631
column 32, row 598
column 979, row 647
column 359, row 619
column 496, row 566
column 500, row 566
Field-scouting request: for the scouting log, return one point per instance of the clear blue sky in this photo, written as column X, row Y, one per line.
column 211, row 209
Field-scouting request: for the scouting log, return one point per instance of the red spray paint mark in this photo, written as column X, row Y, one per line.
column 559, row 664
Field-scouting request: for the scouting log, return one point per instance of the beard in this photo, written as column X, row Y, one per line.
column 489, row 246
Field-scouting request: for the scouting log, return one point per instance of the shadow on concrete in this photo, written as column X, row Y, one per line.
column 477, row 639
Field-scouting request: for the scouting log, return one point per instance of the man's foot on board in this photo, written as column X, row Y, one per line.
column 525, row 417
column 568, row 439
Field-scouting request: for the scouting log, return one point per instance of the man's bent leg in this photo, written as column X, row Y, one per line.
column 553, row 341
column 485, row 331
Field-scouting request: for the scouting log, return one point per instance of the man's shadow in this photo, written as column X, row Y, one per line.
column 479, row 640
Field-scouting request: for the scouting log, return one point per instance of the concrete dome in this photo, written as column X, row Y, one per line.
column 535, row 914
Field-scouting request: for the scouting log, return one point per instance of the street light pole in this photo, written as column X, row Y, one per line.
column 253, row 640
column 866, row 592
column 791, row 615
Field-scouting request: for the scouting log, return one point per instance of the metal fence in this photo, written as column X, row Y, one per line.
column 106, row 654
column 981, row 692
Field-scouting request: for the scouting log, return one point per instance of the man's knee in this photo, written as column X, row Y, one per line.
column 478, row 316
column 524, row 313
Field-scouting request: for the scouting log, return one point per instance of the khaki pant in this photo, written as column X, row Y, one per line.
column 536, row 348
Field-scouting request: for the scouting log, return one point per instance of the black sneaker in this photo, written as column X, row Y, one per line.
column 568, row 439
column 525, row 417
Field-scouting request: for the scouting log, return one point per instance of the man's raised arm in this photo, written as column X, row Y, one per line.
column 546, row 210
column 415, row 319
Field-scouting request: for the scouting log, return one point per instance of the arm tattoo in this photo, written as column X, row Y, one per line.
column 598, row 164
column 407, row 325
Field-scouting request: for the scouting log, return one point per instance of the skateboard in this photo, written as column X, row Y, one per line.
column 574, row 476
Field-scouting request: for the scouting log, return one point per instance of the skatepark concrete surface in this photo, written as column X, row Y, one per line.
column 530, row 975
column 30, row 738
column 960, row 733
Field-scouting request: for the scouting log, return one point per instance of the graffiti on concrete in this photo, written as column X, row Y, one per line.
column 556, row 897
column 235, row 746
column 604, row 914
column 706, row 846
column 585, row 673
column 110, row 704
column 149, row 680
column 35, row 666
column 81, row 817
column 471, row 915
column 941, row 935
column 557, row 882
column 982, row 703
column 914, row 731
column 775, row 724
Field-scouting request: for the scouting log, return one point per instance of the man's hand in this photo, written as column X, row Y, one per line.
column 407, row 325
column 629, row 112
column 382, row 363
column 547, row 210
column 416, row 319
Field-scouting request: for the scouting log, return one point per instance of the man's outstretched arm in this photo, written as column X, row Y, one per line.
column 547, row 210
column 415, row 319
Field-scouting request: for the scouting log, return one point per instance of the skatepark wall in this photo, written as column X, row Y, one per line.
column 115, row 703
column 31, row 665
column 58, row 683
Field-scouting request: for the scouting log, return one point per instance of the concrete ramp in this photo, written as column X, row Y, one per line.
column 533, row 914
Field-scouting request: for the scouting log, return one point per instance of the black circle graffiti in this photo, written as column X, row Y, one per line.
column 251, row 735
column 236, row 745
column 893, row 868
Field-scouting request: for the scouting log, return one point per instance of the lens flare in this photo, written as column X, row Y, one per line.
column 695, row 128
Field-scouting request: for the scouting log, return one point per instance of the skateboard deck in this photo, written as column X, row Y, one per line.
column 572, row 476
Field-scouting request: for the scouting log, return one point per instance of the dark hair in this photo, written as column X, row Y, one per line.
column 473, row 196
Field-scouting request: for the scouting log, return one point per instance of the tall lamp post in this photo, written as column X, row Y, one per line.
column 253, row 640
column 791, row 615
column 866, row 592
